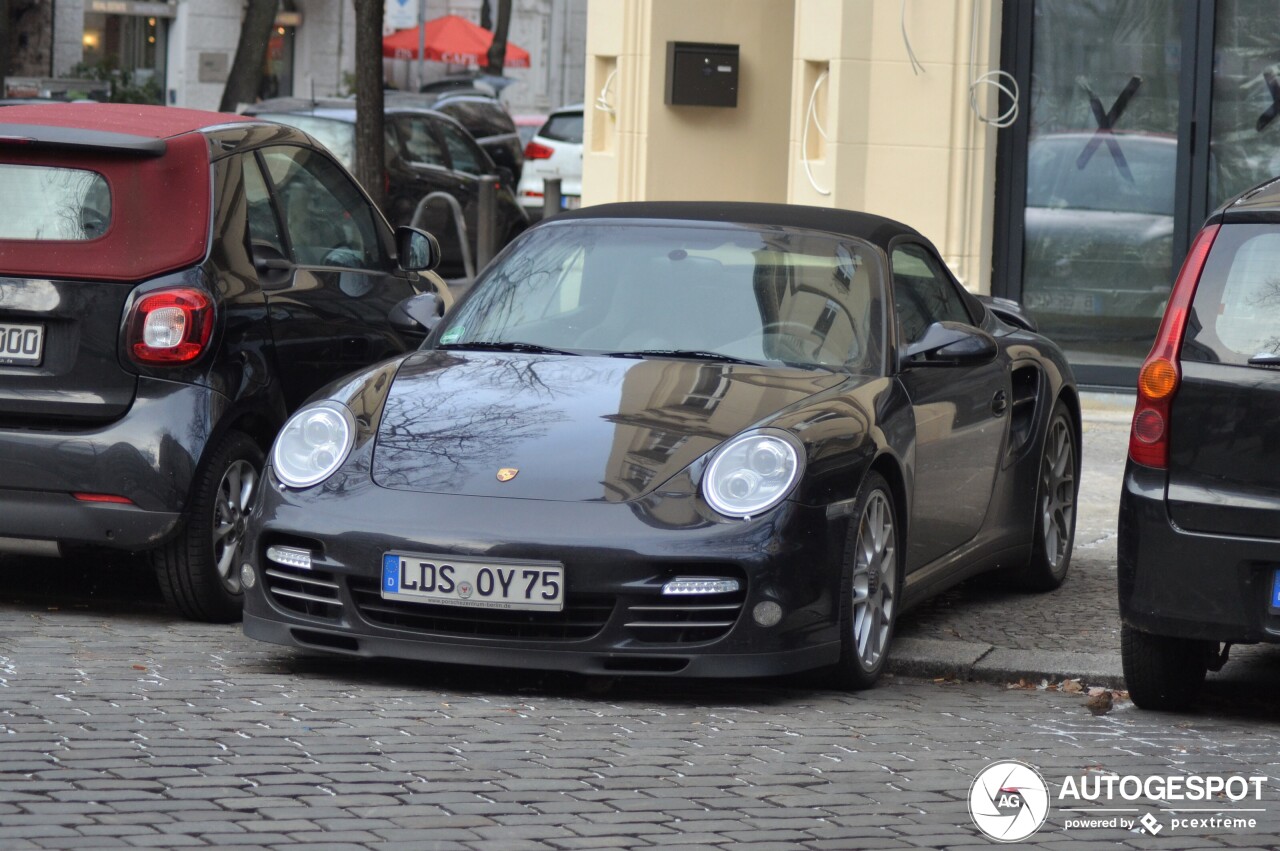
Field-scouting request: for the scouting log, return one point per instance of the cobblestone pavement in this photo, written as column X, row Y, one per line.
column 122, row 726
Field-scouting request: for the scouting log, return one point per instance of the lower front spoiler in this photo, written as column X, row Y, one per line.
column 597, row 662
column 40, row 523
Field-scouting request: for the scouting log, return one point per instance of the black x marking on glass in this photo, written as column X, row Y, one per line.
column 1272, row 111
column 1106, row 121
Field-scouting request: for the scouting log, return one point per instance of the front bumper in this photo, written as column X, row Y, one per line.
column 1190, row 584
column 148, row 456
column 616, row 560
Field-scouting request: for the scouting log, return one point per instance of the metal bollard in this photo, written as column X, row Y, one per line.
column 550, row 197
column 486, row 221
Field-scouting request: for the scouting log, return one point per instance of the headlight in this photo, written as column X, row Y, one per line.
column 313, row 443
column 752, row 473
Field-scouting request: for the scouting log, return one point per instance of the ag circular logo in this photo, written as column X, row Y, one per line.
column 1008, row 801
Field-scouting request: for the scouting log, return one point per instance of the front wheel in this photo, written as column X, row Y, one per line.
column 1163, row 672
column 870, row 584
column 199, row 568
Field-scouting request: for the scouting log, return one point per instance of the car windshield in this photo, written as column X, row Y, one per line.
column 338, row 136
column 755, row 294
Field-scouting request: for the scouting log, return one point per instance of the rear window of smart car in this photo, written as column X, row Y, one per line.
column 566, row 127
column 1236, row 313
column 51, row 203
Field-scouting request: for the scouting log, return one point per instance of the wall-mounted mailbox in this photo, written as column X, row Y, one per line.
column 702, row 74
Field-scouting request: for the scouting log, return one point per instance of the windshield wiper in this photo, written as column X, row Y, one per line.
column 504, row 346
column 692, row 354
column 1271, row 359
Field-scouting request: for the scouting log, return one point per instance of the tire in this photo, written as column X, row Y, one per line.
column 870, row 587
column 199, row 568
column 1162, row 672
column 1057, row 490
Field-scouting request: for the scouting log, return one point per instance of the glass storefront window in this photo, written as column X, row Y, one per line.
column 128, row 50
column 1099, row 218
column 1245, row 134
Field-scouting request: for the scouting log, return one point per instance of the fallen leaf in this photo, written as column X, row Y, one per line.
column 1072, row 686
column 139, row 667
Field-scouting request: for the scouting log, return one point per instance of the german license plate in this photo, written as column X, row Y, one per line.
column 21, row 345
column 1275, row 592
column 444, row 580
column 570, row 202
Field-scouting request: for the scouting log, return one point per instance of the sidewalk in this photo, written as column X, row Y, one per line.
column 982, row 631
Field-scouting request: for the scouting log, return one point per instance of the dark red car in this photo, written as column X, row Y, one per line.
column 172, row 284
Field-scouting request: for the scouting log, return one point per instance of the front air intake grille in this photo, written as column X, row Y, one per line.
column 685, row 619
column 313, row 593
column 583, row 616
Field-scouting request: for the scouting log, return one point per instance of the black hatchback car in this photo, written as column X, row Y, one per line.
column 1199, row 529
column 174, row 283
column 427, row 153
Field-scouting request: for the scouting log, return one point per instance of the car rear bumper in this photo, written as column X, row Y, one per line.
column 148, row 458
column 1190, row 584
column 40, row 523
column 616, row 620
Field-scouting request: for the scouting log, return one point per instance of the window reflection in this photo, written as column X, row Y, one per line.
column 45, row 203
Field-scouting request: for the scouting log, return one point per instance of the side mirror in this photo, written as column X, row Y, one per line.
column 952, row 344
column 417, row 250
column 417, row 314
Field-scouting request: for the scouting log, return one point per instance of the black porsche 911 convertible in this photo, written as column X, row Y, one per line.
column 674, row 439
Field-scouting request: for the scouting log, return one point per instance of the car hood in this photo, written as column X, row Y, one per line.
column 576, row 429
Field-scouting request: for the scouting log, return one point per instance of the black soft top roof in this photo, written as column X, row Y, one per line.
column 874, row 229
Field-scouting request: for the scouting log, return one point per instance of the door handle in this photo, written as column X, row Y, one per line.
column 999, row 403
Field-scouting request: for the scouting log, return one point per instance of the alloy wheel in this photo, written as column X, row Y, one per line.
column 875, row 576
column 1058, row 491
column 234, row 501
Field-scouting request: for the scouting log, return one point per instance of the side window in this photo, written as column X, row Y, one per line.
column 420, row 145
column 264, row 228
column 923, row 293
column 462, row 150
column 328, row 220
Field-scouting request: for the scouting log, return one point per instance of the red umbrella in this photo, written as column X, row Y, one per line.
column 451, row 39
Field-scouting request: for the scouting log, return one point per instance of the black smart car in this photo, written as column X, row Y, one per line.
column 1199, row 530
column 685, row 439
column 173, row 284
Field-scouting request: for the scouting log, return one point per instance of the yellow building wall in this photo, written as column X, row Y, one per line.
column 646, row 150
column 884, row 135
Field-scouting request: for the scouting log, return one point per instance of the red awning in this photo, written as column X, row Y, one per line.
column 451, row 39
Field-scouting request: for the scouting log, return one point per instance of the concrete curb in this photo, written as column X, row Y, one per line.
column 929, row 657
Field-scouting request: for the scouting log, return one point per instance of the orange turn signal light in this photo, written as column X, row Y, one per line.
column 1157, row 379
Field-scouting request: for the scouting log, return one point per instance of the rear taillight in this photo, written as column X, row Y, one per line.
column 170, row 327
column 537, row 151
column 1160, row 374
